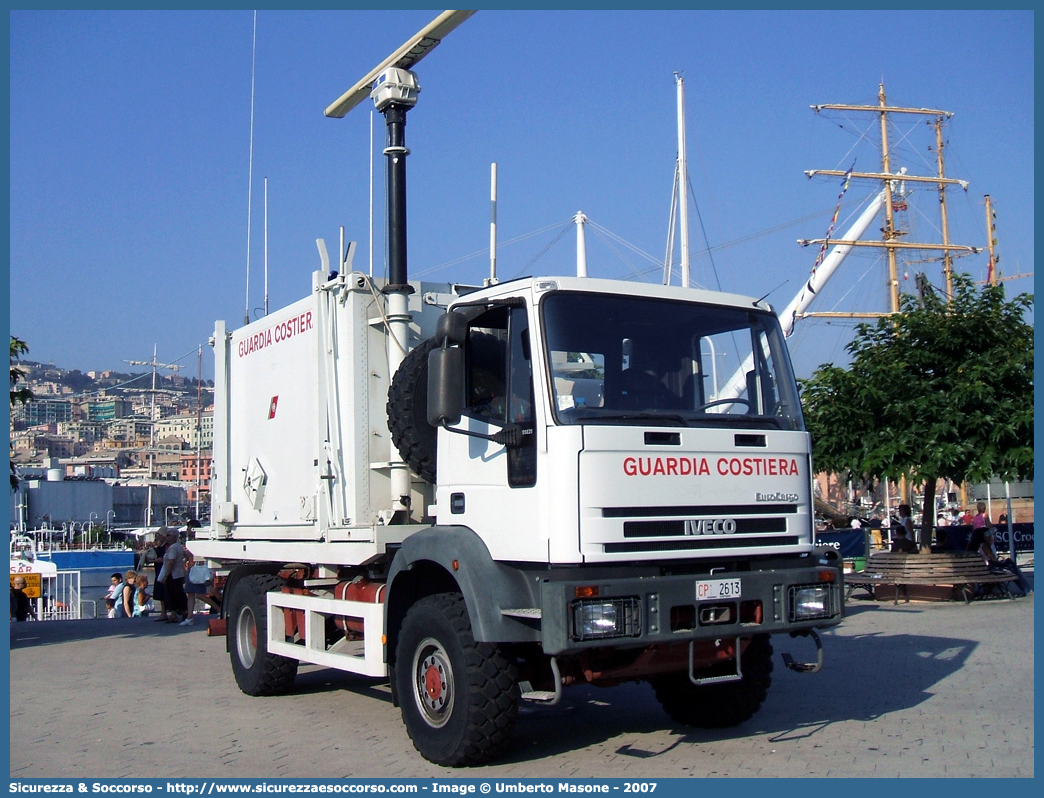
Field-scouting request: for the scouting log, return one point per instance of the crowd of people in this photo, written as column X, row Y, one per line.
column 176, row 585
column 980, row 542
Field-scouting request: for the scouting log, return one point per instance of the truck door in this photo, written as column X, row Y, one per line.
column 488, row 486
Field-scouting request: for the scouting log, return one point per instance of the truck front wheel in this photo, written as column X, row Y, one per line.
column 257, row 672
column 719, row 706
column 459, row 698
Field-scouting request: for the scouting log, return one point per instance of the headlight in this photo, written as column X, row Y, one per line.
column 810, row 602
column 601, row 618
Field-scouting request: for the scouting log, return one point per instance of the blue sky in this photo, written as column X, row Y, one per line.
column 130, row 150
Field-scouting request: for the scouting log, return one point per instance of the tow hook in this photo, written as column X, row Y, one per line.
column 806, row 667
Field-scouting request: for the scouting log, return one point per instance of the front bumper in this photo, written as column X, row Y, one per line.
column 579, row 613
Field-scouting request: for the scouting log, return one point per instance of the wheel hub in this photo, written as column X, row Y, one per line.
column 433, row 681
column 433, row 677
column 246, row 637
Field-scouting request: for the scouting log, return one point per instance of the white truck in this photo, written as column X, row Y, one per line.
column 487, row 495
column 656, row 533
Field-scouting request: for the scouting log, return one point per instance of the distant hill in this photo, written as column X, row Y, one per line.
column 81, row 382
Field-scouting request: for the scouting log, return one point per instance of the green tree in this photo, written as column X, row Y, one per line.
column 939, row 390
column 23, row 394
column 19, row 395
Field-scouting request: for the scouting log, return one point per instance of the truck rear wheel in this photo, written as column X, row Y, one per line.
column 459, row 698
column 719, row 706
column 257, row 672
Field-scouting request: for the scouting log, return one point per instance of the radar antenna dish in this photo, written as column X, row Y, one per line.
column 422, row 43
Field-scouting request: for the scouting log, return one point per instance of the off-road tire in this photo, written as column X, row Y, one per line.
column 459, row 698
column 407, row 409
column 257, row 672
column 719, row 706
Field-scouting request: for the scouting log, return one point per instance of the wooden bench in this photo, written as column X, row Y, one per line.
column 963, row 571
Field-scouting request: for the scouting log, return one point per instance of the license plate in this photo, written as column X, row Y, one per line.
column 710, row 589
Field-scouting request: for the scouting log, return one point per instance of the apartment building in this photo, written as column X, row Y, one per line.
column 108, row 409
column 195, row 468
column 41, row 411
column 184, row 426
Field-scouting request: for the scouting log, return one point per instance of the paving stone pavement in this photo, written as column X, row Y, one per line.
column 917, row 690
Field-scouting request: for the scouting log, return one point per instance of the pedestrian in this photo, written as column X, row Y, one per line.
column 21, row 604
column 942, row 529
column 981, row 526
column 906, row 523
column 197, row 585
column 115, row 594
column 125, row 599
column 143, row 604
column 901, row 544
column 875, row 531
column 981, row 518
column 159, row 594
column 172, row 575
column 987, row 551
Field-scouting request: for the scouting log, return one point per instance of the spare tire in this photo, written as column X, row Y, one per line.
column 413, row 436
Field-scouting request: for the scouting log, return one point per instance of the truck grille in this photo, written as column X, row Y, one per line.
column 695, row 528
column 661, row 529
column 695, row 544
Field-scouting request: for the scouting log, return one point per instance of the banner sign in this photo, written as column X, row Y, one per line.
column 957, row 537
column 848, row 542
column 1023, row 537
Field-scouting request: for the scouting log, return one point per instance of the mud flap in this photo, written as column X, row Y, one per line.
column 806, row 667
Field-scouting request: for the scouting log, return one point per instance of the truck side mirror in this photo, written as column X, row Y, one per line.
column 451, row 328
column 445, row 386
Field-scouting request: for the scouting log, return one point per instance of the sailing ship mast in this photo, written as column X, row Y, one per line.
column 892, row 198
column 894, row 194
column 152, row 425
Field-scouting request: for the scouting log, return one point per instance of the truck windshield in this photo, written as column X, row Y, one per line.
column 626, row 359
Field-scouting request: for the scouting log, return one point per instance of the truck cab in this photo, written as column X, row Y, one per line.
column 634, row 442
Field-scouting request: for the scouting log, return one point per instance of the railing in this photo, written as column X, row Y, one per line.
column 44, row 548
column 61, row 600
column 40, row 543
